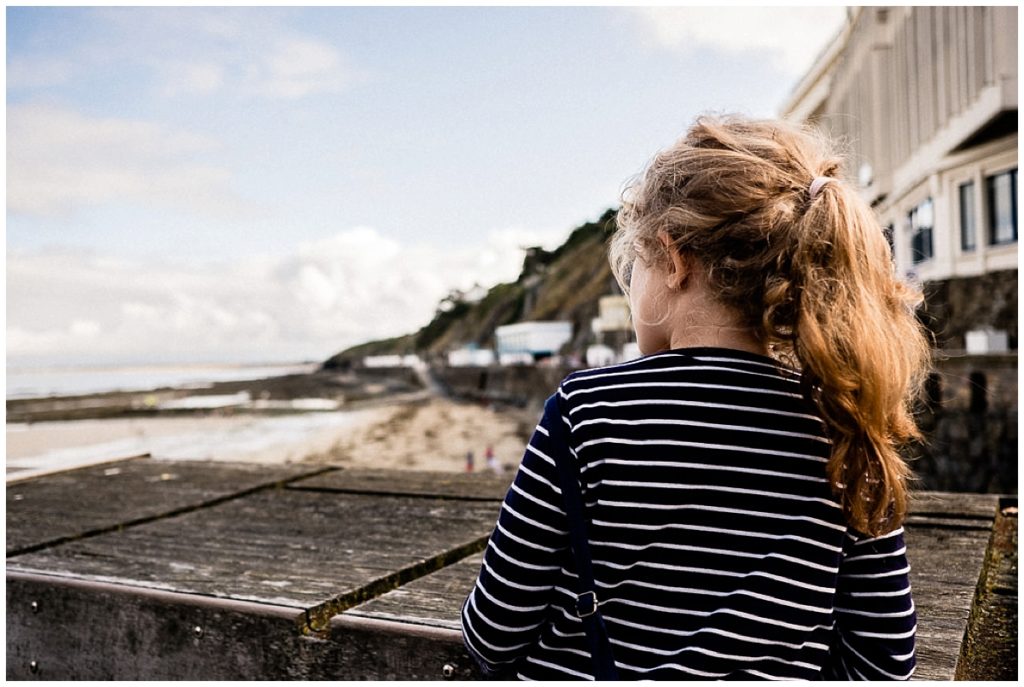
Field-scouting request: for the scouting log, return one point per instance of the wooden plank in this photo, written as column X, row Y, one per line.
column 954, row 505
column 16, row 474
column 944, row 567
column 459, row 485
column 310, row 550
column 47, row 510
column 434, row 600
column 95, row 631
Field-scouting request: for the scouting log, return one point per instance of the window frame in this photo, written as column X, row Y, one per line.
column 968, row 239
column 919, row 233
column 990, row 214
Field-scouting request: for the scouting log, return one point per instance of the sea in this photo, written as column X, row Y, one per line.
column 36, row 382
column 42, row 447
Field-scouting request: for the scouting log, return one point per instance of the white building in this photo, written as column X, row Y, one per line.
column 471, row 357
column 410, row 360
column 599, row 355
column 926, row 98
column 510, row 359
column 382, row 361
column 536, row 339
column 613, row 315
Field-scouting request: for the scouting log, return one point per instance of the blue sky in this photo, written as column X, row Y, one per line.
column 209, row 184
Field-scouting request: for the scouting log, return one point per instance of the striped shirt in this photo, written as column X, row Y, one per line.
column 719, row 550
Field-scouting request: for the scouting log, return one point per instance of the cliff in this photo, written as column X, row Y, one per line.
column 563, row 284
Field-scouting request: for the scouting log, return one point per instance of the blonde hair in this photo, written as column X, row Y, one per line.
column 812, row 277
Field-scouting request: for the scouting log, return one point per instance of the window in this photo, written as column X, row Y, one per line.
column 967, row 229
column 920, row 219
column 1002, row 207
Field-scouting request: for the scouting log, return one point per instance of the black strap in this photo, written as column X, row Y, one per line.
column 587, row 601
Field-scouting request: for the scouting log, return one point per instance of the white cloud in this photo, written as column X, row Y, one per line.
column 37, row 72
column 86, row 329
column 191, row 78
column 791, row 36
column 59, row 160
column 325, row 295
column 298, row 67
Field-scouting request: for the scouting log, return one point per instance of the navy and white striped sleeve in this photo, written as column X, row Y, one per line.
column 503, row 615
column 875, row 617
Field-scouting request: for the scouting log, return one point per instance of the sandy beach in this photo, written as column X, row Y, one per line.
column 432, row 434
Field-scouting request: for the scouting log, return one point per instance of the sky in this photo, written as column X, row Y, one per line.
column 200, row 184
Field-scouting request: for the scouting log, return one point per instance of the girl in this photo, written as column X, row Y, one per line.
column 742, row 490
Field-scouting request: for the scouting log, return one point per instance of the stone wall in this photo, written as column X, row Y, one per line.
column 970, row 426
column 955, row 306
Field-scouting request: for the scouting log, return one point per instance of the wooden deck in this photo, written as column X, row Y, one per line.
column 150, row 569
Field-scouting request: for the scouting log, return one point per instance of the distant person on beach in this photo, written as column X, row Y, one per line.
column 742, row 493
column 492, row 460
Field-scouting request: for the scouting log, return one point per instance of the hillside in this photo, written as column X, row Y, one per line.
column 563, row 284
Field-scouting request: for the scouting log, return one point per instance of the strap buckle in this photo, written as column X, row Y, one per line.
column 586, row 606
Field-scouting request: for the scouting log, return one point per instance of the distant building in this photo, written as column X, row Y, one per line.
column 599, row 355
column 926, row 97
column 612, row 329
column 391, row 361
column 613, row 315
column 509, row 359
column 534, row 339
column 471, row 357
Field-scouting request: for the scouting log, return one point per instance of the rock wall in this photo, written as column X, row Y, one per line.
column 955, row 306
column 970, row 426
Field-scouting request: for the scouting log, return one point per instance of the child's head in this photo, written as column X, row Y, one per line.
column 811, row 278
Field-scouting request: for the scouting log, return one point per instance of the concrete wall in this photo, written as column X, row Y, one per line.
column 520, row 385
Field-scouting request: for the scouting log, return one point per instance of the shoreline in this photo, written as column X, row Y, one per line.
column 379, row 420
column 278, row 394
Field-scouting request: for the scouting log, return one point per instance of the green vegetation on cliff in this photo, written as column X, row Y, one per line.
column 563, row 284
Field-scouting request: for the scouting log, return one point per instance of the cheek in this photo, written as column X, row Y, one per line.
column 648, row 322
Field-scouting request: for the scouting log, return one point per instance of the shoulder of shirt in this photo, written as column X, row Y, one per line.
column 657, row 361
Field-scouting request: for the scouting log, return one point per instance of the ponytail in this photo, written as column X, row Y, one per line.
column 863, row 352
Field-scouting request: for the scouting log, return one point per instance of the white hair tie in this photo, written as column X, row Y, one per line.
column 817, row 184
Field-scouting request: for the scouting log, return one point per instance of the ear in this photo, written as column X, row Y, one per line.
column 679, row 268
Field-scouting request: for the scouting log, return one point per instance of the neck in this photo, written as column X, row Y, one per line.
column 700, row 321
column 739, row 338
